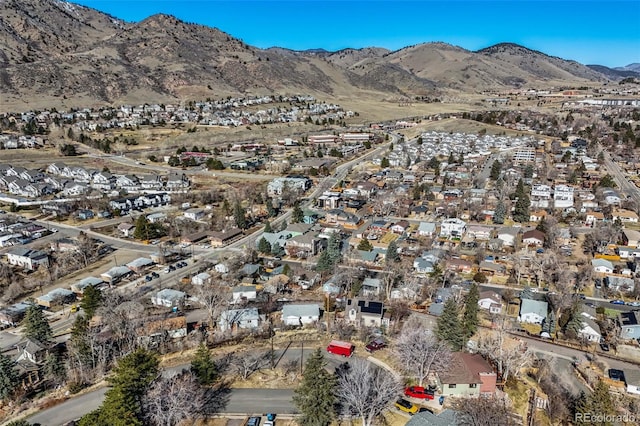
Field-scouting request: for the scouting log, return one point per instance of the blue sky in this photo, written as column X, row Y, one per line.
column 591, row 32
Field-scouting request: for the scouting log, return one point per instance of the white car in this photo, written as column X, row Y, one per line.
column 54, row 230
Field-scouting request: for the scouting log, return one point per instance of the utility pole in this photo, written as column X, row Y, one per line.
column 301, row 357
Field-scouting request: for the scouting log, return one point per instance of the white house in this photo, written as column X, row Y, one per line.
column 280, row 184
column 300, row 314
column 239, row 318
column 367, row 313
column 194, row 214
column 200, row 279
column 426, row 229
column 533, row 311
column 632, row 380
column 371, row 286
column 624, row 216
column 602, row 266
column 243, row 292
column 452, row 228
column 490, row 301
column 169, row 297
column 508, row 236
column 590, row 330
column 27, row 258
column 562, row 196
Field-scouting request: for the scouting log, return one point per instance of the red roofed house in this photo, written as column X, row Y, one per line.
column 468, row 375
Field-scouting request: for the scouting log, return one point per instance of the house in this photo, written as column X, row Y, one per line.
column 281, row 184
column 300, row 314
column 234, row 319
column 422, row 265
column 590, row 330
column 224, row 237
column 342, row 218
column 84, row 214
column 632, row 380
column 31, row 350
column 194, row 214
column 367, row 313
column 169, row 298
column 426, row 229
column 126, row 229
column 177, row 182
column 103, row 181
column 479, row 233
column 303, row 246
column 115, row 274
column 27, row 258
column 533, row 238
column 629, row 325
column 201, row 278
column 156, row 217
column 371, row 286
column 467, row 375
column 80, row 286
column 631, row 238
column 491, row 268
column 617, row 283
column 624, row 216
column 537, row 216
column 459, row 265
column 56, row 297
column 140, row 264
column 400, row 227
column 593, row 218
column 12, row 315
column 452, row 228
column 602, row 266
column 447, row 417
column 243, row 293
column 490, row 301
column 533, row 311
column 508, row 236
column 150, row 182
column 562, row 196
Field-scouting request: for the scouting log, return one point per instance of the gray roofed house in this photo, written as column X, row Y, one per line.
column 115, row 274
column 58, row 296
column 300, row 314
column 84, row 283
column 371, row 286
column 632, row 380
column 447, row 417
column 139, row 264
column 169, row 297
column 239, row 318
column 533, row 311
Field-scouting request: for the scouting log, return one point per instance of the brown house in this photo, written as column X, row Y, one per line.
column 468, row 375
column 222, row 238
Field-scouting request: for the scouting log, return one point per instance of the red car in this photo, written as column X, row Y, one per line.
column 419, row 392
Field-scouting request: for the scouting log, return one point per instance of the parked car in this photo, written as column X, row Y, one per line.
column 590, row 304
column 616, row 374
column 604, row 347
column 253, row 421
column 634, row 304
column 375, row 345
column 617, row 302
column 404, row 405
column 419, row 392
column 148, row 278
column 155, row 275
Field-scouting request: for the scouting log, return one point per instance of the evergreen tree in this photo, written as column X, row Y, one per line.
column 528, row 171
column 542, row 226
column 600, row 400
column 324, row 262
column 365, row 245
column 91, row 300
column 315, row 396
column 277, row 250
column 271, row 211
column 122, row 405
column 203, row 366
column 392, row 255
column 264, row 246
column 297, row 215
column 239, row 216
column 496, row 168
column 334, row 247
column 470, row 317
column 267, row 227
column 384, row 163
column 521, row 209
column 36, row 325
column 499, row 213
column 8, row 376
column 20, row 423
column 54, row 369
column 79, row 339
column 520, row 188
column 448, row 327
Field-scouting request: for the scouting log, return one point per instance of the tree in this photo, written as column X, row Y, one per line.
column 365, row 245
column 521, row 209
column 448, row 327
column 365, row 390
column 392, row 255
column 264, row 246
column 528, row 171
column 499, row 213
column 239, row 216
column 470, row 316
column 146, row 230
column 54, row 369
column 315, row 396
column 484, row 411
column 607, row 182
column 8, row 377
column 91, row 299
column 214, row 164
column 384, row 163
column 599, row 402
column 267, row 227
column 68, row 150
column 420, row 352
column 277, row 251
column 36, row 325
column 509, row 359
column 297, row 215
column 496, row 168
column 479, row 277
column 20, row 423
column 130, row 381
column 203, row 366
column 171, row 400
column 173, row 161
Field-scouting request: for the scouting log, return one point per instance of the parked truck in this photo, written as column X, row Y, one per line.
column 338, row 347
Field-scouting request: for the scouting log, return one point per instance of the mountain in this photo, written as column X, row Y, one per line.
column 52, row 50
column 631, row 67
column 615, row 73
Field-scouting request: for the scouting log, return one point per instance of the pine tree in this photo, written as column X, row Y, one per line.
column 365, row 245
column 499, row 213
column 203, row 366
column 600, row 400
column 264, row 246
column 324, row 262
column 239, row 216
column 91, row 300
column 334, row 247
column 141, row 231
column 54, row 369
column 496, row 168
column 392, row 255
column 470, row 317
column 521, row 209
column 384, row 163
column 277, row 250
column 8, row 377
column 315, row 396
column 267, row 227
column 36, row 325
column 448, row 327
column 297, row 215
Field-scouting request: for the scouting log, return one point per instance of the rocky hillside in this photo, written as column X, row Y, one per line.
column 50, row 49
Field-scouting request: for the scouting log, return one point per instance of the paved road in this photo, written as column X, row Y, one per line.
column 620, row 178
column 69, row 410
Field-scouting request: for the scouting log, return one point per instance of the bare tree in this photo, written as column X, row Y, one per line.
column 484, row 411
column 508, row 360
column 365, row 390
column 419, row 352
column 247, row 364
column 171, row 400
column 214, row 298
